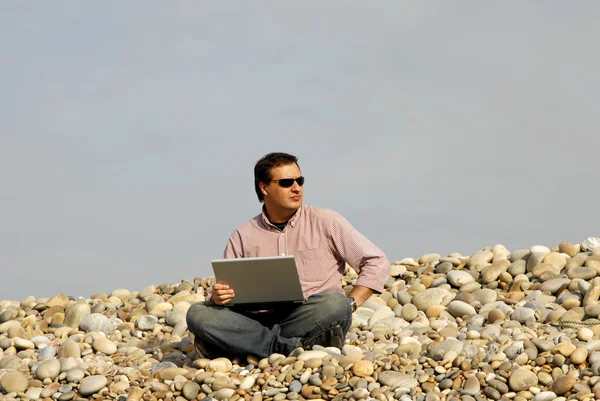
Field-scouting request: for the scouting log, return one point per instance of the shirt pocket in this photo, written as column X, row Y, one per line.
column 314, row 264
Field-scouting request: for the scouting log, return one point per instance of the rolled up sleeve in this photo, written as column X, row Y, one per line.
column 368, row 260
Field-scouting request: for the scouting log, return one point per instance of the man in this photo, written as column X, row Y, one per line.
column 322, row 242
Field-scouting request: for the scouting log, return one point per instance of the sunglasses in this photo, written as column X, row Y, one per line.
column 288, row 182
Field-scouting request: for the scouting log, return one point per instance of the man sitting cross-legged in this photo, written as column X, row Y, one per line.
column 322, row 242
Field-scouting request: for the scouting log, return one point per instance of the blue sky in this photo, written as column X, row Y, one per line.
column 128, row 132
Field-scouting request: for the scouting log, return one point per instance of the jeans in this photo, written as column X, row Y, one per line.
column 231, row 331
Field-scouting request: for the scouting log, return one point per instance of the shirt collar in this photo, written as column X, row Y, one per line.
column 292, row 221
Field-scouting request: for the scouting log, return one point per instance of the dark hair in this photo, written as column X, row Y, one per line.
column 262, row 169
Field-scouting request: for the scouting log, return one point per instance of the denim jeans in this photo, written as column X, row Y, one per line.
column 231, row 331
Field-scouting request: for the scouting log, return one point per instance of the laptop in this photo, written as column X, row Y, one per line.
column 260, row 282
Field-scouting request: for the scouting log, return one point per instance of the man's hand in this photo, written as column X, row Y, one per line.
column 222, row 294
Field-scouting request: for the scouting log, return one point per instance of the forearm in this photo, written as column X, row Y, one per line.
column 360, row 294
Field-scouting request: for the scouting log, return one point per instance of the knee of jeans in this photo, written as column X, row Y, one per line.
column 200, row 316
column 335, row 306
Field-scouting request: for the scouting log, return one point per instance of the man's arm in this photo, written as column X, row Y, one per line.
column 370, row 263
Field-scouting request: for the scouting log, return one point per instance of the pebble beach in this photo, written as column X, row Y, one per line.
column 495, row 325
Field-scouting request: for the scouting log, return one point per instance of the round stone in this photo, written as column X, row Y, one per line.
column 313, row 363
column 247, row 383
column 397, row 379
column 459, row 278
column 69, row 349
column 76, row 313
column 545, row 396
column 224, row 394
column 96, row 322
column 222, row 365
column 104, row 345
column 590, row 244
column 563, row 384
column 75, row 375
column 21, row 343
column 584, row 273
column 363, row 368
column 580, row 355
column 191, row 389
column 585, row 334
column 49, row 369
column 521, row 379
column 485, row 296
column 92, row 384
column 495, row 315
column 47, row 353
column 409, row 312
column 430, row 258
column 14, row 381
column 565, row 349
column 568, row 249
column 146, row 322
column 430, row 297
column 521, row 315
column 460, row 308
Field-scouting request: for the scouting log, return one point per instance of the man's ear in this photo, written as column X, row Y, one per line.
column 263, row 187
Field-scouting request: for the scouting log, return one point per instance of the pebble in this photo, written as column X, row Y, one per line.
column 104, row 345
column 14, row 381
column 96, row 322
column 563, row 384
column 92, row 384
column 49, row 369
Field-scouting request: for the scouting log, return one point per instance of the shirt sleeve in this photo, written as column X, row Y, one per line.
column 351, row 246
column 233, row 250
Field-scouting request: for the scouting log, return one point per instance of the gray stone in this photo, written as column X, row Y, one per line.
column 47, row 353
column 146, row 322
column 522, row 314
column 48, row 369
column 295, row 386
column 96, row 322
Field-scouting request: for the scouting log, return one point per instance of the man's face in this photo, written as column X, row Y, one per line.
column 279, row 197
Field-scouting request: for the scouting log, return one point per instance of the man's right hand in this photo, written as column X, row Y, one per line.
column 222, row 294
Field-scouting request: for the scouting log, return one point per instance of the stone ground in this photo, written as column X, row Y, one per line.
column 497, row 325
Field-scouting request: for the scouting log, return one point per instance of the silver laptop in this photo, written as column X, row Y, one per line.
column 260, row 282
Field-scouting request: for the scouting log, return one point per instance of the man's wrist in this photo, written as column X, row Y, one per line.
column 352, row 303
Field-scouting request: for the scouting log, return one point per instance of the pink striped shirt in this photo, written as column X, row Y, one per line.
column 322, row 242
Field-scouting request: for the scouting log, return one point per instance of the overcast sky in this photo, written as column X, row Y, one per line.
column 129, row 131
